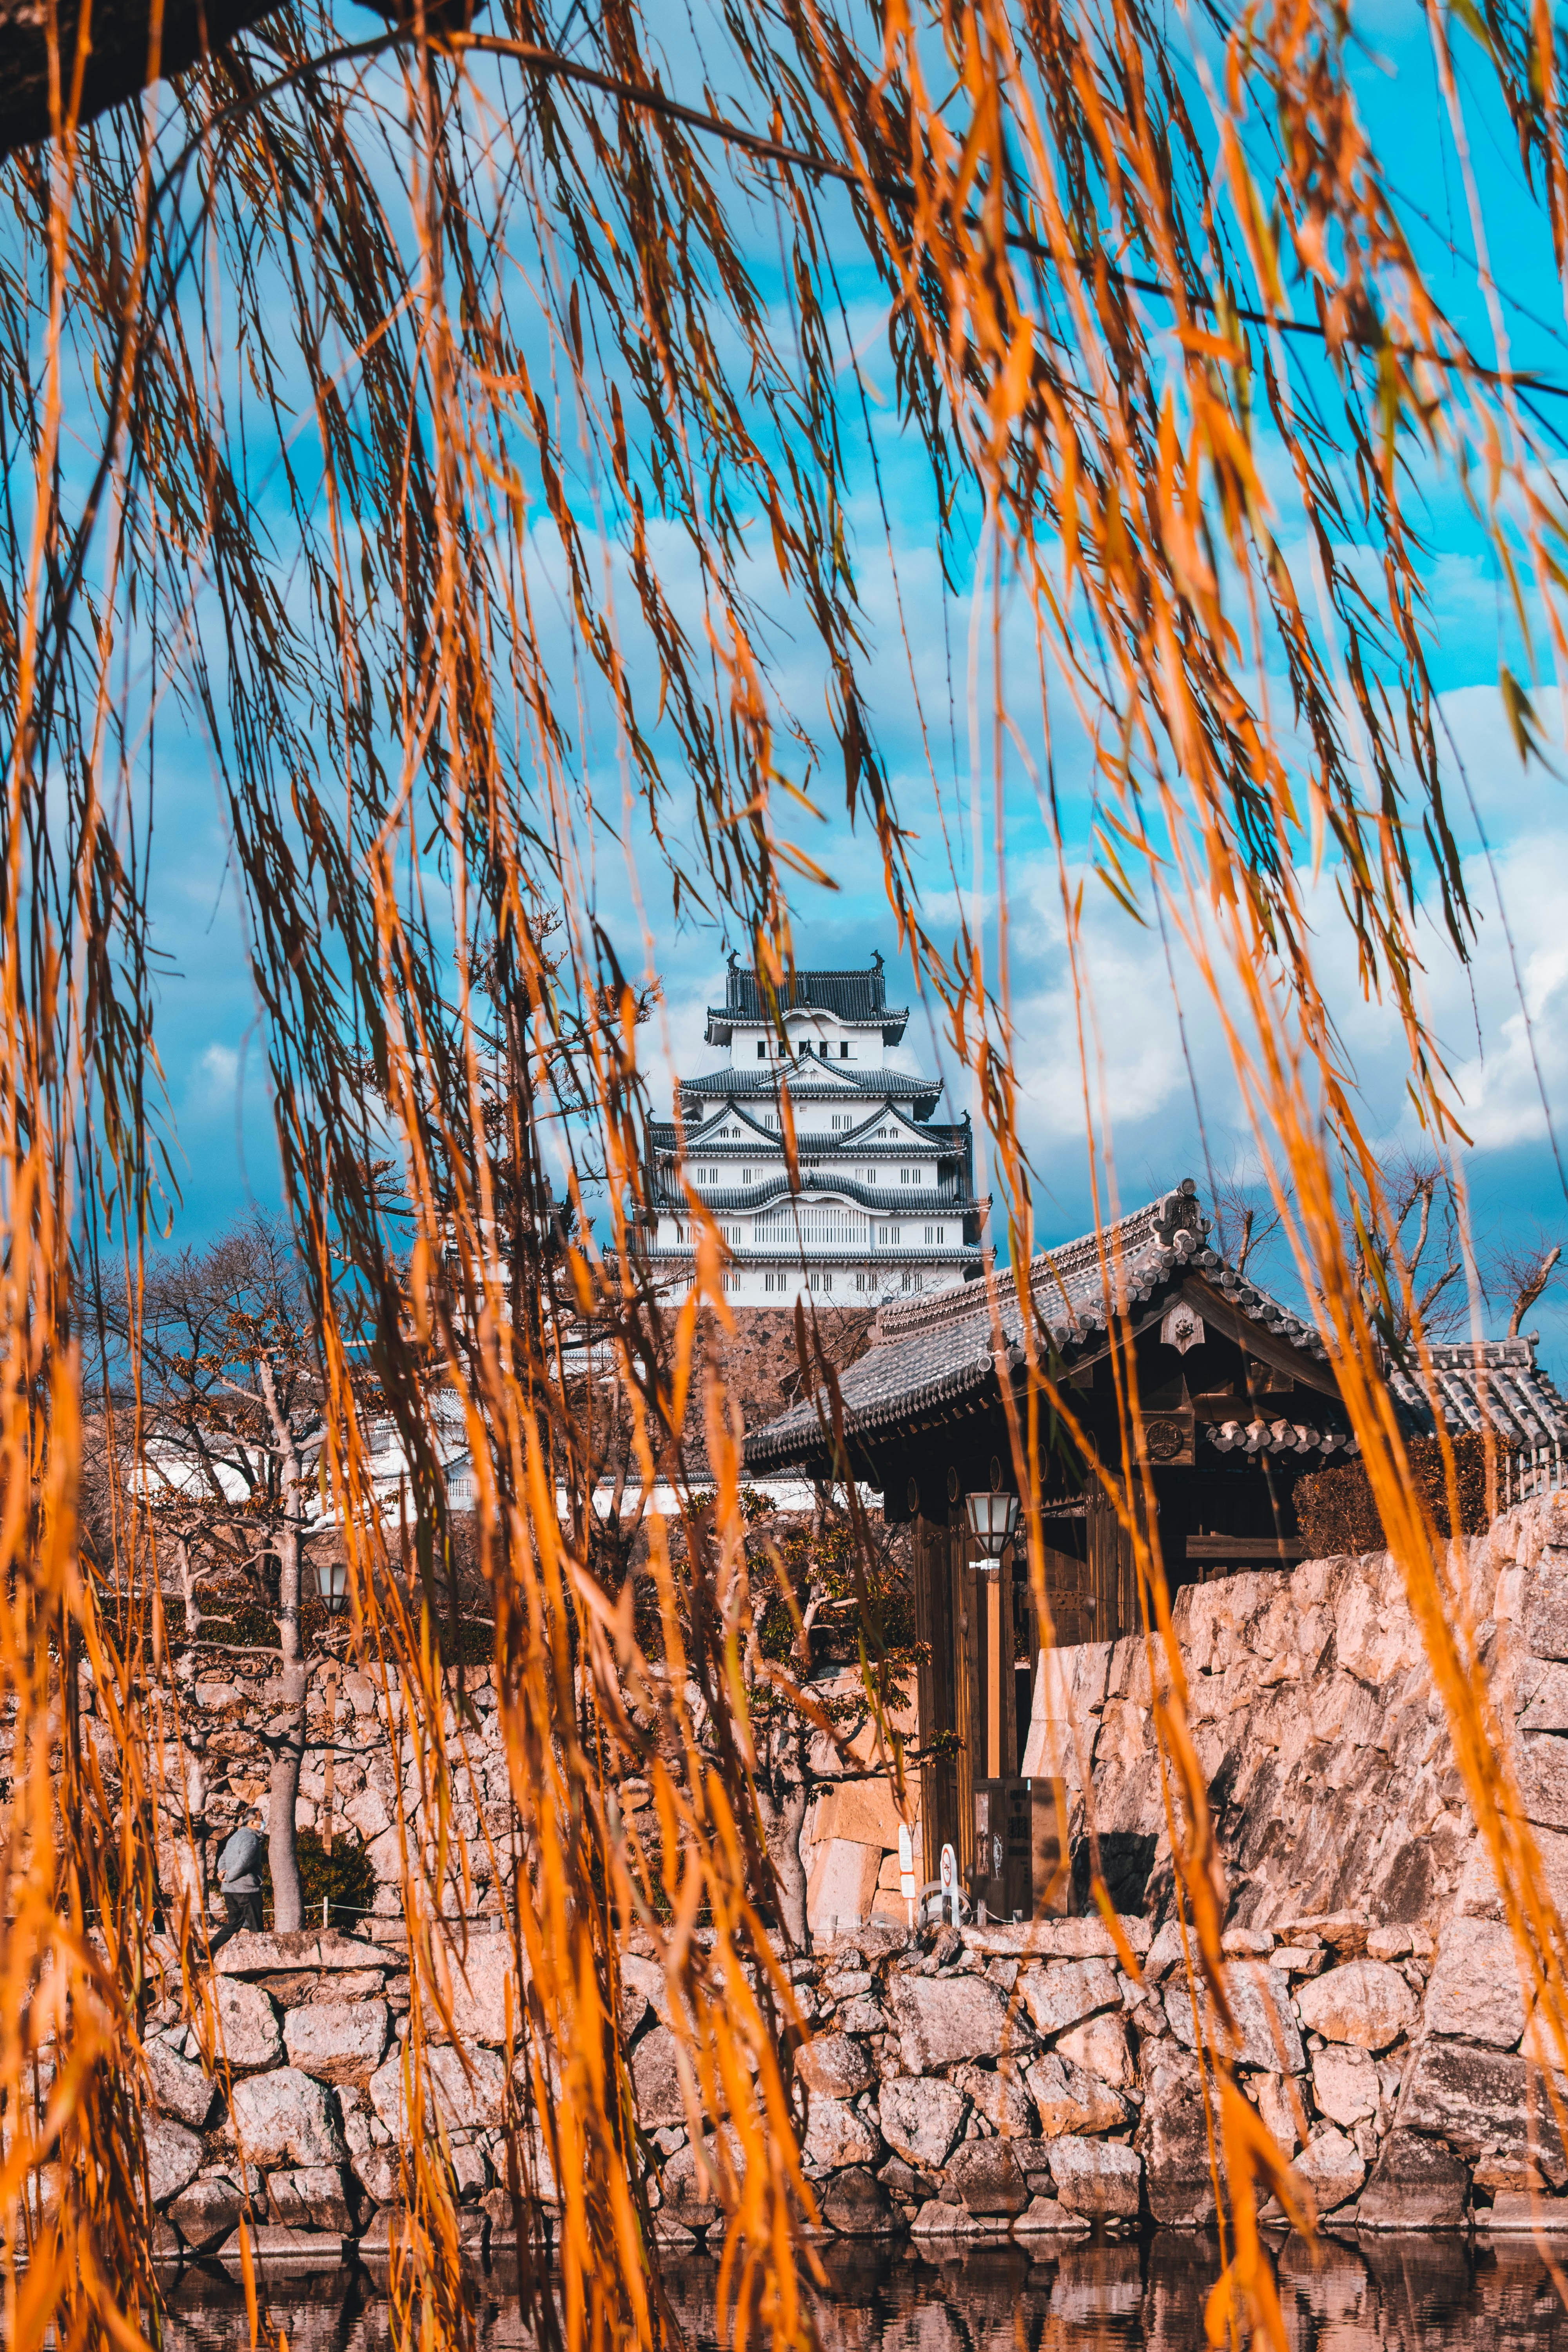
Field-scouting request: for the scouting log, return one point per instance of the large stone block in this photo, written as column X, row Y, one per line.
column 254, row 1953
column 941, row 2019
column 920, row 2120
column 1344, row 2084
column 1474, row 1990
column 1366, row 2002
column 1331, row 2168
column 311, row 2197
column 999, row 2094
column 856, row 2204
column 836, row 2136
column 1259, row 1996
column 1415, row 2184
column 1546, row 1693
column 338, row 2042
column 1062, row 1993
column 842, row 1887
column 249, row 2031
column 174, row 2159
column 655, row 2080
column 181, row 2090
column 481, row 1987
column 1542, row 1764
column 835, row 2066
column 207, row 2209
column 1546, row 1612
column 1491, row 2108
column 984, row 2176
column 285, row 2117
column 1099, row 2046
column 1174, row 2140
column 1086, row 1938
column 865, row 1811
column 1096, row 2175
column 1066, row 2099
column 464, row 2095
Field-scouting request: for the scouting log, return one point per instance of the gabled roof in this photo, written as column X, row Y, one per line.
column 860, row 998
column 934, row 1352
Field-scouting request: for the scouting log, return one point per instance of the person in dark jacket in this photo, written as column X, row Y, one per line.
column 239, row 1879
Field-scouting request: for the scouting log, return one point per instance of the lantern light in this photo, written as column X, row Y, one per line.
column 332, row 1582
column 991, row 1520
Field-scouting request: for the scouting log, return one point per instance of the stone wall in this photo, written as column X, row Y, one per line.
column 1017, row 2080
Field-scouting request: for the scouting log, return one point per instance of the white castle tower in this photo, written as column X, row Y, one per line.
column 886, row 1204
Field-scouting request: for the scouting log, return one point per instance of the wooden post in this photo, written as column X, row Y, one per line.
column 968, row 1712
column 991, row 1580
column 935, row 1629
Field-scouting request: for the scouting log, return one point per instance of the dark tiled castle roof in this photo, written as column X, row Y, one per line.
column 857, row 997
column 891, row 1085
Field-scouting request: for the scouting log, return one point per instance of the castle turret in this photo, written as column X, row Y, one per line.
column 886, row 1203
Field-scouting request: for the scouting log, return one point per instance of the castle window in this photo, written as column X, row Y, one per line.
column 915, row 1280
column 822, row 1280
column 731, row 1278
column 844, row 1050
column 762, row 1049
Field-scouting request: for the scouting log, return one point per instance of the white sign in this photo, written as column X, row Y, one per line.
column 949, row 1876
column 906, row 1862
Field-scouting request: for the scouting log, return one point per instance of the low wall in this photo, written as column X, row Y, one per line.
column 1016, row 2080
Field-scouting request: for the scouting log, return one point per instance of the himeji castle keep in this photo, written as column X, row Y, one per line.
column 886, row 1201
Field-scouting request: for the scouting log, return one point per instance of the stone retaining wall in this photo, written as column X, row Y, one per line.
column 1018, row 2081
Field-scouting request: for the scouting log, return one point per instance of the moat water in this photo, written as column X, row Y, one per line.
column 1347, row 2295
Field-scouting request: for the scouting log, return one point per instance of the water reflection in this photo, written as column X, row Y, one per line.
column 1409, row 2295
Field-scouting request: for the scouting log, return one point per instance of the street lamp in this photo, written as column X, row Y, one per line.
column 993, row 1518
column 332, row 1584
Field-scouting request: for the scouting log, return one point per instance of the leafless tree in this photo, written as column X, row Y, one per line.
column 228, row 1435
column 1247, row 1218
column 1521, row 1269
column 1407, row 1257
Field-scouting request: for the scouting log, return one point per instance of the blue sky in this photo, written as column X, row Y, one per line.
column 214, row 1054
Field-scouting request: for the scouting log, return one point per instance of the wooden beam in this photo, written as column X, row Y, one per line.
column 1308, row 1371
column 1220, row 1549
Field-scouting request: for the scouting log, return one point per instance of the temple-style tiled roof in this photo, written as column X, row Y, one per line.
column 1478, row 1381
column 934, row 1352
column 858, row 998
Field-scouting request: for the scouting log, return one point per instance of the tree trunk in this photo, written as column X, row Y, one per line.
column 288, row 1900
column 283, row 1791
column 186, row 1669
column 782, row 1797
